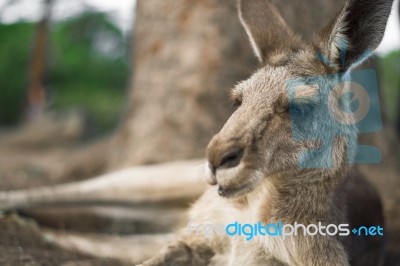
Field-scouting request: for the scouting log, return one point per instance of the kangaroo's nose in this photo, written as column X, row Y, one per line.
column 228, row 159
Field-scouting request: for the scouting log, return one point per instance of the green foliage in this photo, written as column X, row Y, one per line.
column 87, row 67
column 389, row 71
column 14, row 56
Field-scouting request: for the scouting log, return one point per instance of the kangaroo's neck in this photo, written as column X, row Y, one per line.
column 310, row 197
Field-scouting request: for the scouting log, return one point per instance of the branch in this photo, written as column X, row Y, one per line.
column 130, row 249
column 170, row 183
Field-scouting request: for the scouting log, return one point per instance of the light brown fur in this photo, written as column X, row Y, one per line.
column 254, row 158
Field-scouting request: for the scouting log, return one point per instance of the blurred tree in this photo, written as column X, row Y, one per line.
column 36, row 94
column 398, row 85
column 389, row 66
column 87, row 68
column 187, row 54
column 14, row 54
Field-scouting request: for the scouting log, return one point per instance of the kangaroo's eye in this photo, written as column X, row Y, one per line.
column 236, row 97
column 236, row 103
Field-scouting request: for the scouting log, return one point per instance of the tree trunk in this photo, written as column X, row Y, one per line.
column 398, row 86
column 36, row 96
column 187, row 55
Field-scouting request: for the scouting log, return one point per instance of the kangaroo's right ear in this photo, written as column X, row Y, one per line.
column 267, row 30
column 355, row 32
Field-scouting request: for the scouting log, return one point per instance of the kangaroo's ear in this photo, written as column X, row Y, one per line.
column 355, row 32
column 267, row 30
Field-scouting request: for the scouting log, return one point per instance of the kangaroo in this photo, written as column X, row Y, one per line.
column 253, row 162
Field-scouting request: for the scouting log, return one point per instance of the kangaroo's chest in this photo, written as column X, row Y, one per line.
column 243, row 227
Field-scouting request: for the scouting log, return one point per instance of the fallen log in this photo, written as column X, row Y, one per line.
column 119, row 220
column 129, row 249
column 172, row 184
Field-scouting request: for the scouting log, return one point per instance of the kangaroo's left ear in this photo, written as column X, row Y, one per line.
column 267, row 30
column 355, row 31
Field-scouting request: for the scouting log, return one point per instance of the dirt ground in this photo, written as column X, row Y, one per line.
column 22, row 244
column 27, row 162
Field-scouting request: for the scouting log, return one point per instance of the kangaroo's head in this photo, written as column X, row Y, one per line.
column 285, row 110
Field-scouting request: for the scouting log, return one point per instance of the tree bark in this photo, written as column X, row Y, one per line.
column 187, row 55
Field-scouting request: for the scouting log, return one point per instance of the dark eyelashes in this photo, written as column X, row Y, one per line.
column 236, row 103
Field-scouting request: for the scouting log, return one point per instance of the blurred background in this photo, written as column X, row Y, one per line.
column 64, row 55
column 75, row 56
column 92, row 86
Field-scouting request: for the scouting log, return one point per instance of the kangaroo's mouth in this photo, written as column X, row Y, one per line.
column 236, row 191
column 236, row 182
